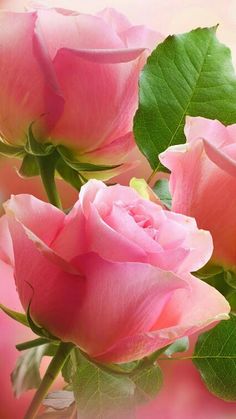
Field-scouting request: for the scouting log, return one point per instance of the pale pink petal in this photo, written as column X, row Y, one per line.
column 117, row 20
column 122, row 299
column 77, row 31
column 29, row 91
column 42, row 219
column 44, row 284
column 188, row 311
column 6, row 249
column 107, row 115
column 211, row 130
column 200, row 188
column 141, row 36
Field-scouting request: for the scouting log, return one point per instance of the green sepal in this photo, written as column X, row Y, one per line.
column 10, row 150
column 19, row 317
column 29, row 167
column 230, row 278
column 31, row 344
column 38, row 330
column 36, row 148
column 70, row 175
column 81, row 166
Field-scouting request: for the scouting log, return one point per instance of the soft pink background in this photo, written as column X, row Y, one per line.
column 183, row 396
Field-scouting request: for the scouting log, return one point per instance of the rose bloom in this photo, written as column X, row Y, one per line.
column 112, row 276
column 203, row 182
column 75, row 76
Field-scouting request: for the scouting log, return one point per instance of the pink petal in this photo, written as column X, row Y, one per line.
column 6, row 249
column 188, row 311
column 122, row 299
column 77, row 31
column 211, row 130
column 35, row 215
column 44, row 283
column 202, row 189
column 25, row 99
column 141, row 36
column 116, row 20
column 108, row 116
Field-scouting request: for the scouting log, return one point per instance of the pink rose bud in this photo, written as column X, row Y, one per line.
column 203, row 182
column 112, row 276
column 75, row 76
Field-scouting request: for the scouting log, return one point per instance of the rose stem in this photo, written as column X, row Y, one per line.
column 53, row 370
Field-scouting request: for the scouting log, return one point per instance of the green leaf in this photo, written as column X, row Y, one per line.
column 80, row 166
column 35, row 148
column 10, row 151
column 19, row 317
column 148, row 382
column 70, row 175
column 161, row 189
column 100, row 394
column 29, row 167
column 26, row 373
column 215, row 358
column 189, row 74
column 180, row 345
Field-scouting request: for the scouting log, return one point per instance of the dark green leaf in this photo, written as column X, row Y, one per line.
column 19, row 317
column 70, row 175
column 215, row 358
column 29, row 166
column 26, row 373
column 180, row 345
column 11, row 151
column 161, row 189
column 189, row 74
column 80, row 166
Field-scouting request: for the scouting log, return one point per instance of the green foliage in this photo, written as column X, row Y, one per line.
column 107, row 392
column 189, row 74
column 19, row 317
column 26, row 373
column 29, row 167
column 215, row 358
column 161, row 189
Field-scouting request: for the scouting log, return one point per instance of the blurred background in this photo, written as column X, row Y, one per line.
column 183, row 395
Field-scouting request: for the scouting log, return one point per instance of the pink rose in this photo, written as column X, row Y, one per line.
column 76, row 75
column 118, row 294
column 203, row 182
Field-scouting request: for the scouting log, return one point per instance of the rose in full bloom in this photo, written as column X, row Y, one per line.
column 112, row 276
column 203, row 182
column 75, row 76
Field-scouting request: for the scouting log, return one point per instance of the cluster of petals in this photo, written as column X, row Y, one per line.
column 203, row 182
column 75, row 76
column 113, row 275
